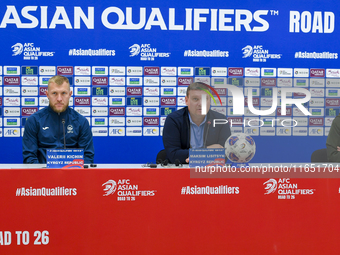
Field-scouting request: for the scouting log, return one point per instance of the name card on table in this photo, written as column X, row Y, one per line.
column 206, row 157
column 65, row 158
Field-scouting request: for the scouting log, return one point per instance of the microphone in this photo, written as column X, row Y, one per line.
column 63, row 121
column 178, row 163
column 206, row 135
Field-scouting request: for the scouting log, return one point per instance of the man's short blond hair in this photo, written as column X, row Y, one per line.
column 58, row 79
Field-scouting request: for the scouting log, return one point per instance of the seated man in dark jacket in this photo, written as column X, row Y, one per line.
column 189, row 128
column 47, row 128
column 333, row 141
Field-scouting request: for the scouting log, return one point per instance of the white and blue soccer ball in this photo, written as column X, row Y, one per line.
column 240, row 148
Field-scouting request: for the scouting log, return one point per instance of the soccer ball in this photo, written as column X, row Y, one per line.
column 240, row 148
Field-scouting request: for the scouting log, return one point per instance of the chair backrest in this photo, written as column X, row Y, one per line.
column 319, row 156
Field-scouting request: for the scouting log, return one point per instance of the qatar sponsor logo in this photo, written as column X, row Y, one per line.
column 288, row 111
column 256, row 101
column 268, row 82
column 151, row 121
column 100, row 81
column 65, row 70
column 117, row 111
column 42, row 91
column 316, row 121
column 317, row 72
column 168, row 101
column 151, row 70
column 332, row 102
column 12, row 80
column 134, row 91
column 82, row 101
column 185, row 81
column 235, row 71
column 27, row 111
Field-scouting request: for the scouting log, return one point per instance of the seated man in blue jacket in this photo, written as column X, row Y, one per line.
column 45, row 129
column 189, row 128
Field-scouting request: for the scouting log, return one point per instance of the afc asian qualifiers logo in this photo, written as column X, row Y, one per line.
column 109, row 187
column 271, row 186
column 134, row 50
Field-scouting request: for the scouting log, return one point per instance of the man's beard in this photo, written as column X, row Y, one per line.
column 59, row 110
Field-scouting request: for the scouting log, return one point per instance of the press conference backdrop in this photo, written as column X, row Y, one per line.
column 129, row 63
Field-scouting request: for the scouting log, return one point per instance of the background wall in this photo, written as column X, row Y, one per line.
column 127, row 60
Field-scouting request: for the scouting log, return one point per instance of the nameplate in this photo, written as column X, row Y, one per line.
column 206, row 157
column 65, row 158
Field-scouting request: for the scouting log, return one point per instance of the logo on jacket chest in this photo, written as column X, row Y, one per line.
column 69, row 129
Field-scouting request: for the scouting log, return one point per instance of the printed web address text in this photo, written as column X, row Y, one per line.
column 268, row 170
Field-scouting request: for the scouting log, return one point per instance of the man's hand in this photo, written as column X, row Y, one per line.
column 338, row 148
column 218, row 146
column 187, row 160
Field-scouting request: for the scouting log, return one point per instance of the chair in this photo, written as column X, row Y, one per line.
column 319, row 156
column 161, row 156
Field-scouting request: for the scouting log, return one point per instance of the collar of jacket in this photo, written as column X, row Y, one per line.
column 62, row 114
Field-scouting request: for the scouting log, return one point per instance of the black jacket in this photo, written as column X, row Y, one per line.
column 176, row 133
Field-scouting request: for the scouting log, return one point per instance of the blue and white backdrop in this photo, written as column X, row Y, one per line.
column 129, row 63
